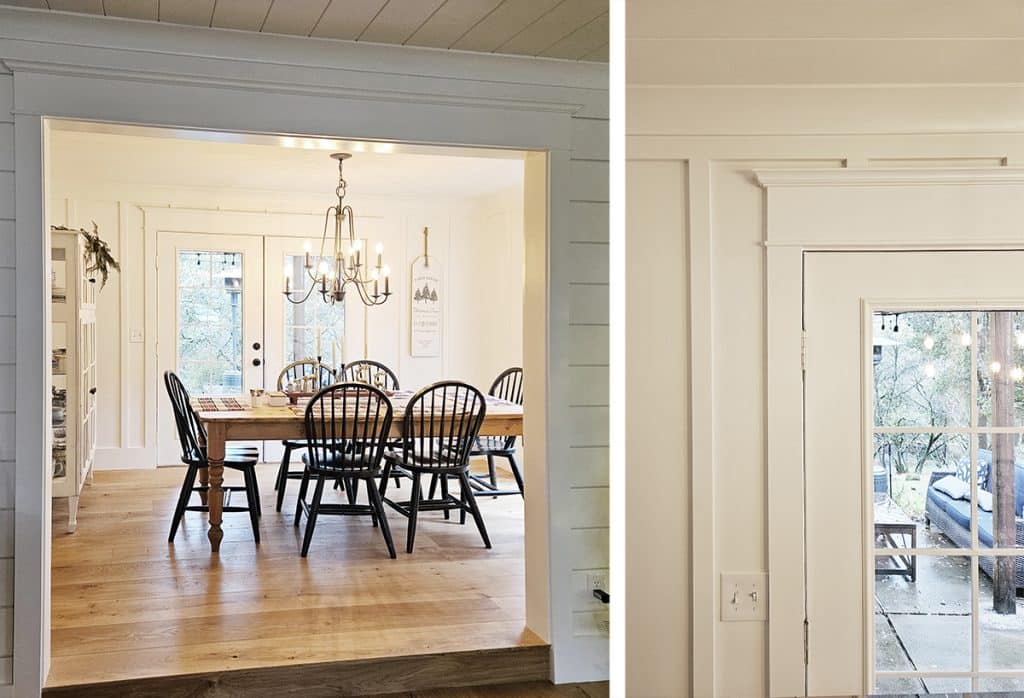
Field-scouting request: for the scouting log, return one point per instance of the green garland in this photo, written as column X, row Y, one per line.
column 97, row 253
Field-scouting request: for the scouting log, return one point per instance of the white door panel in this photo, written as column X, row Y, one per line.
column 211, row 324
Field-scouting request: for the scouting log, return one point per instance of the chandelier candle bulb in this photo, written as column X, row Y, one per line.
column 306, row 247
column 387, row 279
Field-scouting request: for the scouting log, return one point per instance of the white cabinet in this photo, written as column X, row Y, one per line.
column 73, row 298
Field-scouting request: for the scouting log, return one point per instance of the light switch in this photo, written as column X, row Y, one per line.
column 745, row 597
column 136, row 336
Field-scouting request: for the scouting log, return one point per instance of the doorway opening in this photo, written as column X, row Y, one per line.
column 206, row 227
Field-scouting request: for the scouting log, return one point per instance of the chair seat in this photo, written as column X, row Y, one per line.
column 333, row 463
column 420, row 463
column 232, row 461
column 491, row 445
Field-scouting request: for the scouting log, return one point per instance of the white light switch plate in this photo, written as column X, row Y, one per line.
column 745, row 597
column 136, row 336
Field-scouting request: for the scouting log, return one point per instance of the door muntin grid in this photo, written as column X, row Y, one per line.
column 991, row 348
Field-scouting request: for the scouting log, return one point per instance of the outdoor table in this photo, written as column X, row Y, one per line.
column 891, row 520
column 233, row 419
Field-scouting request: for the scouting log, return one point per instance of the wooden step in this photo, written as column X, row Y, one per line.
column 360, row 677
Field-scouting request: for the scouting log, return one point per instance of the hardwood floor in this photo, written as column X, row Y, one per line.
column 126, row 604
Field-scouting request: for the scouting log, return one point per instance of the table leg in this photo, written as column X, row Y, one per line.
column 204, row 481
column 215, row 497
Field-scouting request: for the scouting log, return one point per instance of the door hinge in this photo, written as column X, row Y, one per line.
column 803, row 350
column 807, row 644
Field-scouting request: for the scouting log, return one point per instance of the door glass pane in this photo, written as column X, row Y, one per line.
column 924, row 624
column 908, row 510
column 304, row 322
column 1001, row 614
column 1000, row 374
column 1000, row 471
column 210, row 322
column 921, row 369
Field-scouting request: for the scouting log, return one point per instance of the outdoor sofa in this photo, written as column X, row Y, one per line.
column 953, row 516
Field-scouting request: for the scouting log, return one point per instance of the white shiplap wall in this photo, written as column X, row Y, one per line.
column 6, row 378
column 588, row 371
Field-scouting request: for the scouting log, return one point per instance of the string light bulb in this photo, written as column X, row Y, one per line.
column 965, row 339
column 1017, row 373
column 929, row 342
column 929, row 370
column 995, row 367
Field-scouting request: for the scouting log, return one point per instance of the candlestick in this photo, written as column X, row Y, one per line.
column 387, row 279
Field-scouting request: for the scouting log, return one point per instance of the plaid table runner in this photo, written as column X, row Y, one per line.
column 205, row 403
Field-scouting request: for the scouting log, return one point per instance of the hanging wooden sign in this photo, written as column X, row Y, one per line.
column 425, row 304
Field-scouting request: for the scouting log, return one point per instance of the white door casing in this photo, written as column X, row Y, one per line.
column 842, row 290
column 846, row 210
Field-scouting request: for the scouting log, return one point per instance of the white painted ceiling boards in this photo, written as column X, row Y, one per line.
column 569, row 29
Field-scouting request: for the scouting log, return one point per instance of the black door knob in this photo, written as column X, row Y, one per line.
column 256, row 362
column 256, row 346
column 92, row 391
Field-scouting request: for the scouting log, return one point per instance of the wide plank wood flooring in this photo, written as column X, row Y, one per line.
column 126, row 604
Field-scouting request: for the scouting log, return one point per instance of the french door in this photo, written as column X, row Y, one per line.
column 914, row 471
column 211, row 320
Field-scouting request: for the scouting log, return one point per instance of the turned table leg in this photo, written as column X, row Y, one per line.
column 215, row 497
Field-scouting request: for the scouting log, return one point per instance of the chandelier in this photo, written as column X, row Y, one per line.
column 346, row 265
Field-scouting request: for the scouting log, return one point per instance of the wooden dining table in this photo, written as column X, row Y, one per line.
column 234, row 419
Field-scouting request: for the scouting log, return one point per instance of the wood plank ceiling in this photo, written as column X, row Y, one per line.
column 570, row 29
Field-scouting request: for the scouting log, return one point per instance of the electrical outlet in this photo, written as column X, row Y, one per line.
column 744, row 597
column 603, row 623
column 597, row 580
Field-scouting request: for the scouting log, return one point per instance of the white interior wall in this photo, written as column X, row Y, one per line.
column 477, row 239
column 793, row 84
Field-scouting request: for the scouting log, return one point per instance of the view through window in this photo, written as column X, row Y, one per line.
column 313, row 328
column 210, row 322
column 948, row 501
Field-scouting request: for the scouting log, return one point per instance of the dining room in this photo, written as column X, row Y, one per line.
column 292, row 437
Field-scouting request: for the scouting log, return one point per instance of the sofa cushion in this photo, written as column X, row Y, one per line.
column 953, row 486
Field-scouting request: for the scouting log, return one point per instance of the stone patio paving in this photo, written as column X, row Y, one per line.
column 926, row 626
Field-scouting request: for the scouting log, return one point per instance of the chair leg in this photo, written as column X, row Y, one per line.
column 444, row 494
column 314, row 509
column 414, row 510
column 256, row 493
column 492, row 472
column 516, row 474
column 282, row 475
column 477, row 516
column 378, row 505
column 384, row 479
column 462, row 509
column 249, row 475
column 302, row 496
column 183, row 497
column 281, row 468
column 433, row 486
column 352, row 489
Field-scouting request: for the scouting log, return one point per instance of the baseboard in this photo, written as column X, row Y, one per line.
column 362, row 677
